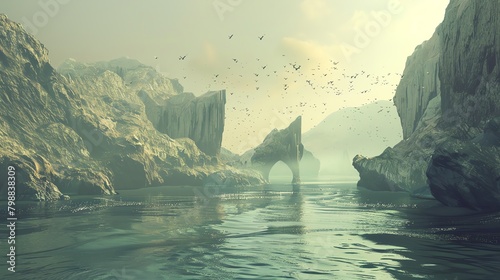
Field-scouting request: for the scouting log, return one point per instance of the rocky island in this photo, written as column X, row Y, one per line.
column 449, row 103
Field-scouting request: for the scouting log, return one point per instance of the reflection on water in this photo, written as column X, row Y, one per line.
column 315, row 231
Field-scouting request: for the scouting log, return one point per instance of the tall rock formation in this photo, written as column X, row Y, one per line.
column 280, row 145
column 442, row 113
column 198, row 118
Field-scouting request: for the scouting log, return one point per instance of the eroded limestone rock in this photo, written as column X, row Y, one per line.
column 280, row 145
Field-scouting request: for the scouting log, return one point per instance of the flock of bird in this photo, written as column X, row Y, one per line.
column 296, row 76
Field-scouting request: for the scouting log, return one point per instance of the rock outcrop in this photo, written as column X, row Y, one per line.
column 280, row 145
column 198, row 118
column 456, row 107
column 85, row 129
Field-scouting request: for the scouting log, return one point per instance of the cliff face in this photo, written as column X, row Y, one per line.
column 198, row 118
column 87, row 131
column 170, row 110
column 465, row 171
column 419, row 84
column 469, row 62
column 444, row 112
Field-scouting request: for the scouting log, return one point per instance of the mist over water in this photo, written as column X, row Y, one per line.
column 315, row 231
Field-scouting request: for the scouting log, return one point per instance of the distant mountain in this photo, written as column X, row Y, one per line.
column 368, row 130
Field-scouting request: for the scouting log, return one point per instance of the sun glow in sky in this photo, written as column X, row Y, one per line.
column 276, row 59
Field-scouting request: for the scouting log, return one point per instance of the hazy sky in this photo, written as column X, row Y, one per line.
column 328, row 41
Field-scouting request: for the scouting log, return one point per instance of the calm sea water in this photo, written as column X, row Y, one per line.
column 318, row 231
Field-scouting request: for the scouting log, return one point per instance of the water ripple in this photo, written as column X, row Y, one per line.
column 320, row 231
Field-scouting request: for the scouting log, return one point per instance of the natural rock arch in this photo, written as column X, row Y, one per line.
column 280, row 145
column 278, row 170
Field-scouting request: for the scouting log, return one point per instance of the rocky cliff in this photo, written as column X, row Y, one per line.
column 469, row 62
column 198, row 118
column 442, row 114
column 87, row 130
column 419, row 84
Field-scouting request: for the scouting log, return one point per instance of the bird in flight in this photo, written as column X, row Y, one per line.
column 261, row 37
column 230, row 36
column 235, row 60
column 182, row 57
